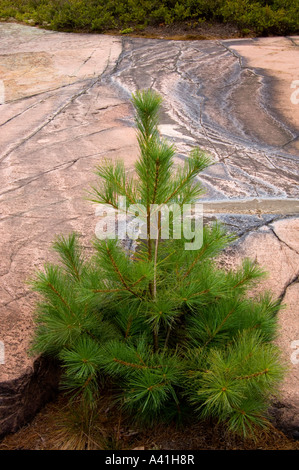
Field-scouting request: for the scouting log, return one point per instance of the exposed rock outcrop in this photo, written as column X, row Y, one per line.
column 65, row 106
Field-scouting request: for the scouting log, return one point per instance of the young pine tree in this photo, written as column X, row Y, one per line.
column 173, row 330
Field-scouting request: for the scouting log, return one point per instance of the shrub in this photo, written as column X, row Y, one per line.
column 175, row 333
column 262, row 17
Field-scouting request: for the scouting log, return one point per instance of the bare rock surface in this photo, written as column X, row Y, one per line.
column 58, row 121
column 288, row 411
column 65, row 106
column 275, row 57
column 279, row 260
column 275, row 248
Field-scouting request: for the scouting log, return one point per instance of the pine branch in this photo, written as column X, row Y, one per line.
column 114, row 183
column 102, row 198
column 196, row 164
column 70, row 253
column 107, row 291
column 59, row 296
column 167, row 336
column 254, row 375
column 124, row 283
column 195, row 261
column 219, row 327
column 135, row 366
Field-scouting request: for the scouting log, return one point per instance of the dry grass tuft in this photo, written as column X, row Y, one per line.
column 61, row 426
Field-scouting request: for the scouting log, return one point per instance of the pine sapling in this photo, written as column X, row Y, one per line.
column 166, row 324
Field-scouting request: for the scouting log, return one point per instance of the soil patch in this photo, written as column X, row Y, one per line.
column 190, row 31
column 60, row 427
column 183, row 31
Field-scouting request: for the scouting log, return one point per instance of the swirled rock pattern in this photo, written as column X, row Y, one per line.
column 216, row 100
column 65, row 106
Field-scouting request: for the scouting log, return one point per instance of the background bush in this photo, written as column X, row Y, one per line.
column 273, row 17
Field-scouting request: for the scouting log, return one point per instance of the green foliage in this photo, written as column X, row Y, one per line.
column 126, row 31
column 260, row 16
column 265, row 18
column 170, row 328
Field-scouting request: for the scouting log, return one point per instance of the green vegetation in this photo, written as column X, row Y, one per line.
column 163, row 325
column 262, row 17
